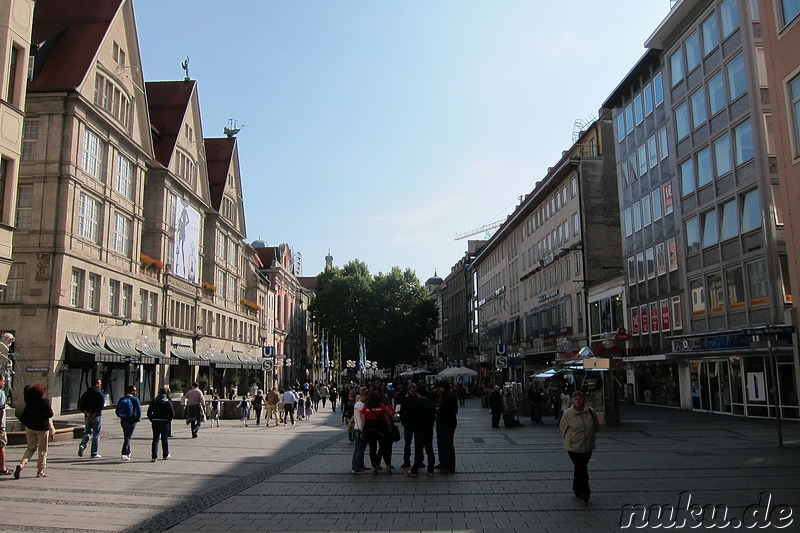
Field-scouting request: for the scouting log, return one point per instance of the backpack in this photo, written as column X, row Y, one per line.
column 125, row 408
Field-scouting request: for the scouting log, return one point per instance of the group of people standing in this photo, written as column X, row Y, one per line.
column 373, row 425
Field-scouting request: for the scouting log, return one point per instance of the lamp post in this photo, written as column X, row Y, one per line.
column 141, row 342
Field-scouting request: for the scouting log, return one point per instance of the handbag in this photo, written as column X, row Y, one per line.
column 395, row 434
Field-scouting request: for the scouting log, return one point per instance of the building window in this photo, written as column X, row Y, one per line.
column 642, row 160
column 682, row 124
column 730, row 221
column 88, row 218
column 737, row 79
column 757, row 282
column 751, row 211
column 716, row 293
column 794, row 95
column 693, row 235
column 687, row 177
column 729, row 15
column 93, row 292
column 710, row 228
column 629, row 118
column 574, row 184
column 698, row 297
column 12, row 293
column 76, row 287
column 789, row 10
column 655, row 196
column 646, row 213
column 153, row 318
column 113, row 297
column 127, row 300
column 658, row 89
column 650, row 259
column 723, row 158
column 652, row 151
column 638, row 109
column 621, row 127
column 123, row 178
column 716, row 94
column 676, row 69
column 121, row 241
column 92, row 156
column 704, row 171
column 111, row 98
column 663, row 144
column 30, row 139
column 693, row 53
column 699, row 113
column 677, row 313
column 647, row 92
column 24, row 204
column 661, row 258
column 743, row 135
column 734, row 281
column 710, row 34
column 13, row 89
column 641, row 267
column 637, row 216
column 144, row 304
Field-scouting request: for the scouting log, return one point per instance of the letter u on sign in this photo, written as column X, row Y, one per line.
column 500, row 349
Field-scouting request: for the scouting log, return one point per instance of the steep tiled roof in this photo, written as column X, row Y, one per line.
column 167, row 102
column 308, row 282
column 68, row 34
column 219, row 152
column 266, row 255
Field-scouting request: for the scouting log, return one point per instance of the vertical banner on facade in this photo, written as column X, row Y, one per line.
column 635, row 321
column 655, row 321
column 187, row 242
column 644, row 316
column 665, row 315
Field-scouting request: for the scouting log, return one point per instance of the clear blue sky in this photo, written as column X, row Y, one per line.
column 379, row 129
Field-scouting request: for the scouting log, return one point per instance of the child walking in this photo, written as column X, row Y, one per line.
column 309, row 409
column 244, row 405
column 214, row 415
column 301, row 407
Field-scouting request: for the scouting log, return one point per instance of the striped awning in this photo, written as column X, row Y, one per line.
column 123, row 347
column 88, row 347
column 225, row 360
column 151, row 349
column 186, row 353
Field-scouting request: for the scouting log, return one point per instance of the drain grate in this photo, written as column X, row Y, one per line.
column 478, row 440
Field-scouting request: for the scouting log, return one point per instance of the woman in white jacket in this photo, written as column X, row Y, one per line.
column 578, row 427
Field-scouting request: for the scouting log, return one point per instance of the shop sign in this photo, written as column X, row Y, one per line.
column 596, row 363
column 719, row 342
column 654, row 318
column 35, row 369
column 635, row 321
column 645, row 318
column 548, row 295
column 768, row 330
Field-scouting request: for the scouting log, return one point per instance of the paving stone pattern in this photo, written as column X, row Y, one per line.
column 296, row 478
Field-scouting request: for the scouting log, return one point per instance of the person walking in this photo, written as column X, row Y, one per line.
column 195, row 408
column 160, row 413
column 214, row 413
column 91, row 403
column 272, row 406
column 579, row 426
column 324, row 394
column 36, row 417
column 3, row 438
column 289, row 400
column 244, row 407
column 129, row 412
column 423, row 413
column 537, row 401
column 334, row 395
column 446, row 423
column 496, row 406
column 258, row 405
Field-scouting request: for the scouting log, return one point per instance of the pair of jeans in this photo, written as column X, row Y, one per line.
column 423, row 445
column 127, row 433
column 580, row 479
column 91, row 430
column 160, row 431
column 358, row 451
column 289, row 408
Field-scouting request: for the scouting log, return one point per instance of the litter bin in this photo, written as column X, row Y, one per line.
column 485, row 401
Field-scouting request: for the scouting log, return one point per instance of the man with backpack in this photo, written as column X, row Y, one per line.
column 129, row 411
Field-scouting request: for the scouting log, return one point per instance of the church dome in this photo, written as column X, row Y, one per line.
column 435, row 280
column 258, row 243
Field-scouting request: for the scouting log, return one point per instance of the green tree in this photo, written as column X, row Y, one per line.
column 391, row 310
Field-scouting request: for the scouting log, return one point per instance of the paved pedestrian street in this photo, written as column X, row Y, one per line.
column 297, row 479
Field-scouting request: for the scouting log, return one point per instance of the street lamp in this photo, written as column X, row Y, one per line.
column 141, row 342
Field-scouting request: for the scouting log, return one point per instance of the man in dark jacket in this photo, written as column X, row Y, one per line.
column 129, row 411
column 446, row 427
column 408, row 419
column 422, row 414
column 160, row 413
column 496, row 406
column 91, row 403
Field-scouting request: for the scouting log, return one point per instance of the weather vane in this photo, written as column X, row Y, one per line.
column 185, row 67
column 231, row 129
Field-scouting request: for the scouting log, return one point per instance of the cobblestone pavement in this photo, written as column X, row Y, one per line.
column 296, row 479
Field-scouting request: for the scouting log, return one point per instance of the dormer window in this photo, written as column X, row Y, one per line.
column 185, row 168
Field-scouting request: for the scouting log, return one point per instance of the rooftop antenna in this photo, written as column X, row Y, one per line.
column 231, row 129
column 580, row 126
column 185, row 67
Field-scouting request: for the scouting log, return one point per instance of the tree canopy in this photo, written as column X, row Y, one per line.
column 392, row 311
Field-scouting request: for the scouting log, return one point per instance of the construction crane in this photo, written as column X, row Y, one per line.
column 485, row 228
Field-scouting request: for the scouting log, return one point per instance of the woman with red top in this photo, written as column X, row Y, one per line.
column 377, row 424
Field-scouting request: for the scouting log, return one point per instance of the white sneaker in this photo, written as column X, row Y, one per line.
column 126, row 457
column 168, row 457
column 97, row 456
